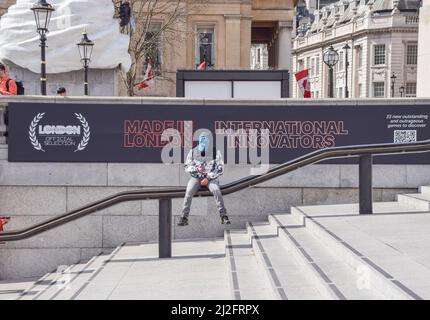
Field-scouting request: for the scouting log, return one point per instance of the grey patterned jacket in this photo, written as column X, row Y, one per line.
column 214, row 166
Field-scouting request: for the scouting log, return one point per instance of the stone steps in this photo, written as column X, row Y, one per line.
column 281, row 268
column 316, row 252
column 81, row 278
column 373, row 259
column 337, row 279
column 11, row 290
column 418, row 201
column 244, row 269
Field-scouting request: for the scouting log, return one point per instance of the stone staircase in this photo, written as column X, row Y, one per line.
column 314, row 252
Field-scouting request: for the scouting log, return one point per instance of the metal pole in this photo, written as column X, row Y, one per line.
column 346, row 74
column 86, row 79
column 365, row 181
column 330, row 82
column 165, row 228
column 43, row 64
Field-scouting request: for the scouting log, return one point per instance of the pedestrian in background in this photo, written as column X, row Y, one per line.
column 7, row 85
column 62, row 92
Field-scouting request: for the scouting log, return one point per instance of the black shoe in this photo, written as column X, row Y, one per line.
column 225, row 220
column 183, row 222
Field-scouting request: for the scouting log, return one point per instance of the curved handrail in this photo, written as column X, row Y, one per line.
column 246, row 182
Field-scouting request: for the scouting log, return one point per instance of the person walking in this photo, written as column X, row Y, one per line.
column 205, row 164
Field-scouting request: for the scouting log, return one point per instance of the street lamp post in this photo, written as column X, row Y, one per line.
column 85, row 50
column 42, row 15
column 393, row 82
column 330, row 58
column 402, row 91
column 346, row 48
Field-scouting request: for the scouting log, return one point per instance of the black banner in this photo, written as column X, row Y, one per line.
column 132, row 133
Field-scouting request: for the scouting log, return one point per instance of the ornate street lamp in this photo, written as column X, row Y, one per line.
column 402, row 91
column 346, row 48
column 85, row 50
column 393, row 82
column 42, row 15
column 331, row 58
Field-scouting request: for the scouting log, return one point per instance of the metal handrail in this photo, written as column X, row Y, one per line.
column 179, row 192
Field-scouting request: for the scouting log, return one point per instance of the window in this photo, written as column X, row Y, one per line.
column 379, row 54
column 301, row 65
column 340, row 92
column 317, row 66
column 341, row 60
column 308, row 63
column 153, row 48
column 378, row 89
column 312, row 71
column 360, row 90
column 205, row 46
column 359, row 54
column 411, row 89
column 411, row 54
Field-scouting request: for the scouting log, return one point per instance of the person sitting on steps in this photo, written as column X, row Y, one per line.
column 205, row 164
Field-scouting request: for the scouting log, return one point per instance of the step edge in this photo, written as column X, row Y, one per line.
column 352, row 259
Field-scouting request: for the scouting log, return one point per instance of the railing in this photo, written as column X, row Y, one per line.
column 165, row 195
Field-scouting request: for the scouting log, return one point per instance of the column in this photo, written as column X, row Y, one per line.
column 284, row 45
column 245, row 39
column 232, row 41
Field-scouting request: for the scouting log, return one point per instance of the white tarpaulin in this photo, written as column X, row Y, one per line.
column 19, row 42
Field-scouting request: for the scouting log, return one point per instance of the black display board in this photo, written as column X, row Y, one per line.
column 132, row 133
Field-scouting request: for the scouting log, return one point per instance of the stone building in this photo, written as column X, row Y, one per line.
column 423, row 84
column 224, row 31
column 383, row 40
column 231, row 34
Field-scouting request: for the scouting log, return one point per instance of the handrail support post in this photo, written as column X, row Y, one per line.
column 365, row 184
column 165, row 228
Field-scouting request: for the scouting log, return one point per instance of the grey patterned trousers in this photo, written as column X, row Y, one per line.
column 193, row 186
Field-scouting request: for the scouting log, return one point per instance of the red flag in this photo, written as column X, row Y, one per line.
column 3, row 221
column 202, row 65
column 148, row 79
column 302, row 78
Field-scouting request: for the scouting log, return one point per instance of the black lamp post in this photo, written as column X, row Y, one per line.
column 393, row 81
column 402, row 91
column 42, row 14
column 85, row 50
column 346, row 48
column 331, row 57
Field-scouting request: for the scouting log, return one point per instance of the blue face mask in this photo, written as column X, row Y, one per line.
column 203, row 143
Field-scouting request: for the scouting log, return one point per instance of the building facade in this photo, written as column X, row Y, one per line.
column 381, row 61
column 227, row 35
column 423, row 85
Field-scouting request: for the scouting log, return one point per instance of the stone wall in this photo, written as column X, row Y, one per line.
column 34, row 192
column 101, row 82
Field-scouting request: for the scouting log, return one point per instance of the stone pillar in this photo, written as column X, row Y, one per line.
column 285, row 45
column 232, row 41
column 245, row 39
column 423, row 69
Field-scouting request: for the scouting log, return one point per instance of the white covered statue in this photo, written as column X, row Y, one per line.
column 19, row 41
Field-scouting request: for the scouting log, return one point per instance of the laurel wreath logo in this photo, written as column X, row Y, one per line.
column 32, row 132
column 36, row 144
column 86, row 137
